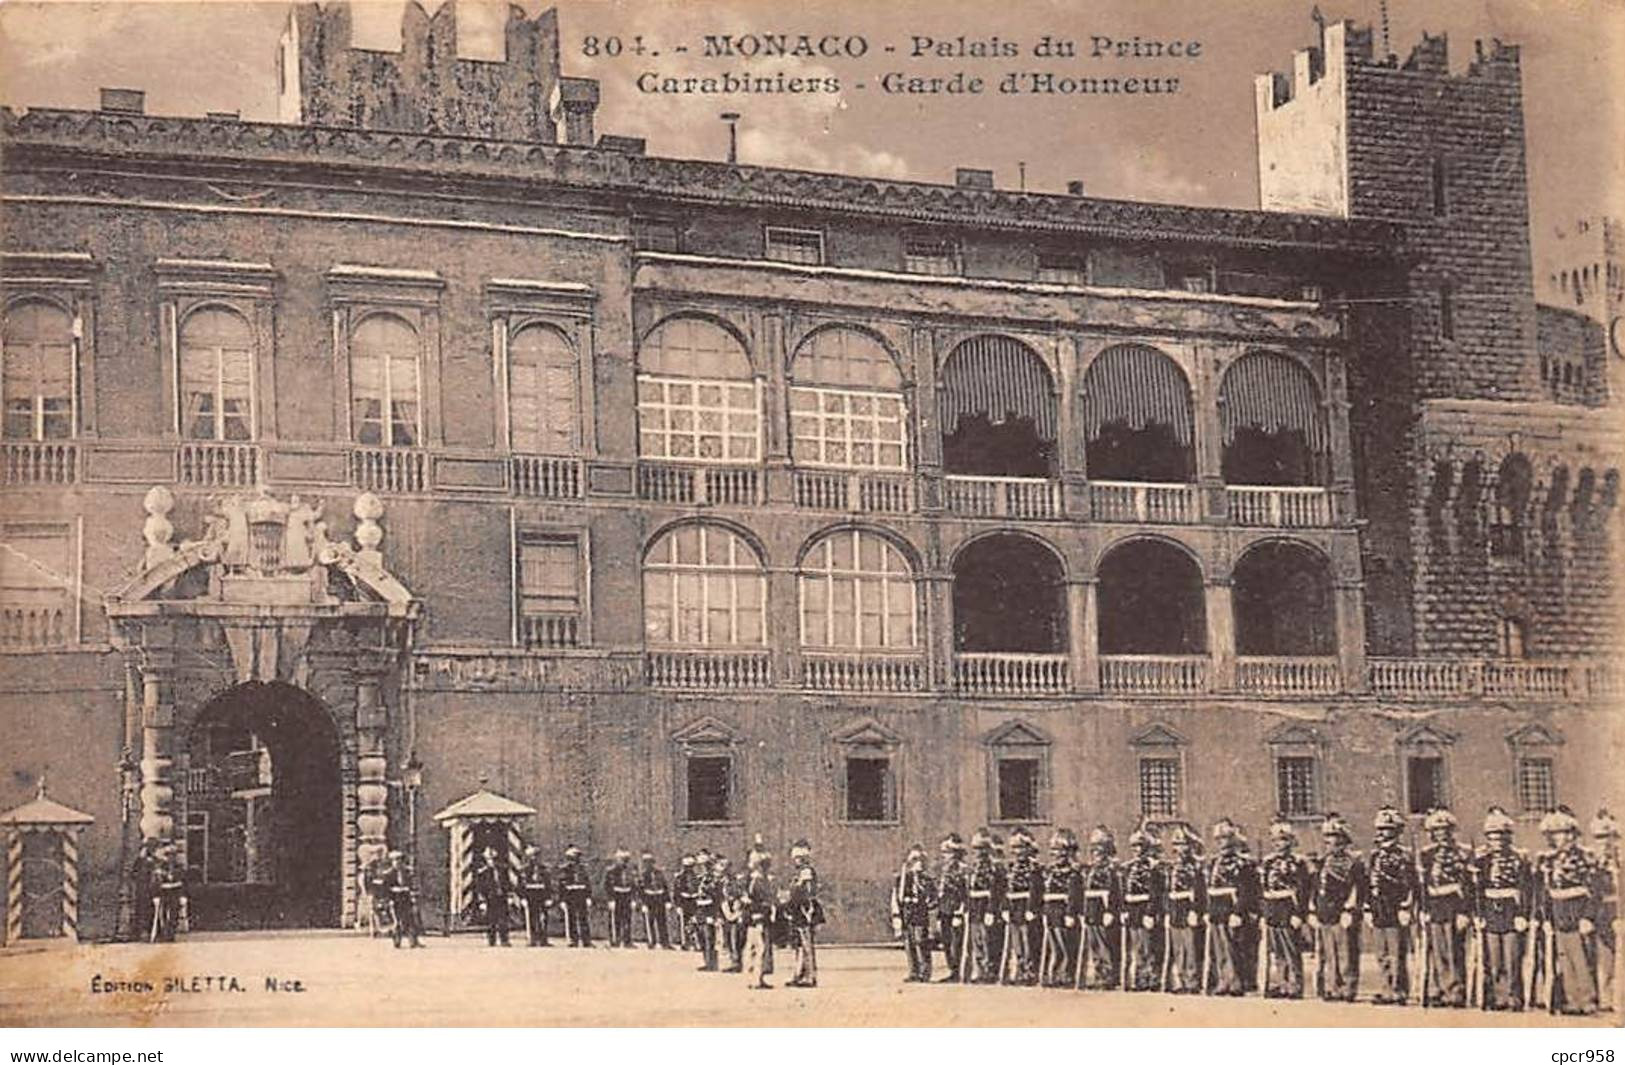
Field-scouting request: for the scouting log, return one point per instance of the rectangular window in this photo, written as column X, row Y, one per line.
column 650, row 234
column 1510, row 638
column 1537, row 786
column 1018, row 789
column 1159, row 787
column 926, row 255
column 870, row 794
column 710, row 787
column 1295, row 785
column 197, row 842
column 1424, row 782
column 550, row 590
column 804, row 246
column 36, row 587
column 1063, row 269
column 695, row 420
column 853, row 430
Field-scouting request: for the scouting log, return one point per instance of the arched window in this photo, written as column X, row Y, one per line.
column 1151, row 601
column 543, row 412
column 216, row 375
column 1137, row 420
column 37, row 382
column 846, row 403
column 1514, row 483
column 1273, row 426
column 384, row 381
column 998, row 410
column 703, row 586
column 857, row 591
column 1282, row 602
column 697, row 396
column 1009, row 596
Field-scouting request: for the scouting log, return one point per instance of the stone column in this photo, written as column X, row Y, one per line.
column 1209, row 436
column 1343, row 509
column 157, row 747
column 1221, row 634
column 939, row 626
column 372, row 763
column 1083, row 633
column 1348, row 598
column 770, row 372
column 784, row 626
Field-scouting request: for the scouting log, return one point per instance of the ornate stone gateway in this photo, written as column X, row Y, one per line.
column 264, row 660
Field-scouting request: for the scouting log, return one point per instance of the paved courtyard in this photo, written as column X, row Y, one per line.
column 346, row 979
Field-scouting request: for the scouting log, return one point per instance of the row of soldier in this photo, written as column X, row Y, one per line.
column 716, row 911
column 1488, row 926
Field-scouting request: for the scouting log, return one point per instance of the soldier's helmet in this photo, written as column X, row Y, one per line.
column 1559, row 820
column 1603, row 826
column 572, row 851
column 805, row 876
column 800, row 849
column 1389, row 820
column 687, row 861
column 1143, row 838
column 395, row 854
column 1063, row 841
column 1439, row 819
column 1101, row 837
column 1281, row 829
column 1021, row 842
column 1180, row 836
column 1225, row 829
column 952, row 843
column 981, row 840
column 622, row 854
column 1335, row 826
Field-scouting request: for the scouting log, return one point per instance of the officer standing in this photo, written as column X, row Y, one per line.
column 575, row 891
column 1340, row 884
column 806, row 914
column 707, row 910
column 1022, row 899
column 536, row 881
column 1447, row 905
column 1061, row 903
column 168, row 891
column 1182, row 914
column 1284, row 886
column 493, row 883
column 653, row 895
column 140, row 874
column 760, row 903
column 952, row 884
column 620, row 889
column 733, row 913
column 984, row 896
column 1232, row 898
column 397, row 878
column 1390, row 904
column 683, row 891
column 1102, row 890
column 913, row 899
column 1605, row 837
column 1503, row 884
column 1568, row 909
column 1144, row 885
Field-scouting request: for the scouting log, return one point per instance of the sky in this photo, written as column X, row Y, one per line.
column 1193, row 147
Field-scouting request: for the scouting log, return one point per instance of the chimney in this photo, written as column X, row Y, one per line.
column 970, row 178
column 1074, row 188
column 571, row 108
column 124, row 101
column 611, row 142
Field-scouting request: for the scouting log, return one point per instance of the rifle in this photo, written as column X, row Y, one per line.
column 1043, row 954
column 1077, row 962
column 1419, row 916
column 1167, row 950
column 1004, row 953
column 963, row 973
column 1207, row 950
column 1264, row 955
column 648, row 926
column 1123, row 958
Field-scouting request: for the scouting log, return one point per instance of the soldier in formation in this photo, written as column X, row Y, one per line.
column 1284, row 886
column 1144, row 895
column 493, row 889
column 1023, row 897
column 1336, row 905
column 953, row 883
column 399, row 884
column 575, row 893
column 913, row 899
column 620, row 892
column 653, row 896
column 1099, row 909
column 536, row 884
column 984, row 897
column 1446, row 902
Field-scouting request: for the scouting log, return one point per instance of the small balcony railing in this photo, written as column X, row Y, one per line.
column 545, row 632
column 1288, row 675
column 211, row 464
column 1154, row 674
column 871, row 493
column 546, row 476
column 664, row 482
column 828, row 671
column 1002, row 497
column 1444, row 678
column 389, row 469
column 1010, row 673
column 35, row 627
column 1285, row 507
column 719, row 670
column 39, row 462
column 1146, row 502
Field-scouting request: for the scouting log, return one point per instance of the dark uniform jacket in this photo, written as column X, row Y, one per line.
column 915, row 899
column 493, row 881
column 573, row 882
column 1144, row 885
column 683, row 889
column 761, row 900
column 1024, row 889
column 1186, row 884
column 1503, row 884
column 1102, row 892
column 1063, row 891
column 707, row 896
column 653, row 890
column 1340, row 886
column 1284, row 887
column 620, row 885
column 1393, row 883
column 537, row 879
column 1447, row 881
column 1565, row 893
column 1606, row 892
column 984, row 889
column 1232, row 886
column 805, row 909
column 952, row 889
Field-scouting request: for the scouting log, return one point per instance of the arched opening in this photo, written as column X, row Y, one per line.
column 1514, row 482
column 1009, row 596
column 263, row 811
column 1151, row 601
column 1137, row 419
column 998, row 410
column 1283, row 602
column 1273, row 426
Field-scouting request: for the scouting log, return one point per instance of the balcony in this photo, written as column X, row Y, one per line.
column 831, row 672
column 1288, row 507
column 547, row 632
column 869, row 493
column 665, row 482
column 1154, row 674
column 1546, row 679
column 1144, row 502
column 1010, row 673
column 1288, row 675
column 1024, row 498
column 389, row 469
column 708, row 670
column 208, row 464
column 545, row 476
column 39, row 462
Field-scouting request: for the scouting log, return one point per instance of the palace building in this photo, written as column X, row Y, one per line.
column 424, row 442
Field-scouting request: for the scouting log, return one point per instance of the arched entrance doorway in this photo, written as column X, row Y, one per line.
column 263, row 811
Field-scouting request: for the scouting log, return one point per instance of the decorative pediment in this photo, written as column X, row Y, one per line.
column 1535, row 734
column 1427, row 736
column 866, row 731
column 1017, row 734
column 1157, row 735
column 706, row 731
column 1293, row 734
